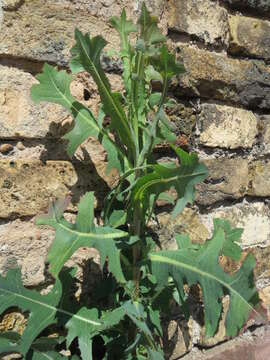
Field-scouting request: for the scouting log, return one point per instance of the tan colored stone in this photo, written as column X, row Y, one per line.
column 249, row 36
column 265, row 298
column 264, row 126
column 19, row 117
column 11, row 4
column 26, row 187
column 24, row 245
column 228, row 179
column 254, row 218
column 226, row 126
column 23, row 34
column 203, row 19
column 259, row 179
column 177, row 338
column 13, row 321
column 5, row 148
column 20, row 146
column 188, row 222
column 215, row 76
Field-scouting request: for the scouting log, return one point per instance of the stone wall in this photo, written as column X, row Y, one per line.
column 222, row 113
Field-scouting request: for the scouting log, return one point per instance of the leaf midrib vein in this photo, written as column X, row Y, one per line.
column 94, row 125
column 53, row 308
column 166, row 260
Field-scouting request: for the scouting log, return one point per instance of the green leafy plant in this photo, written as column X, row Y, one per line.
column 139, row 279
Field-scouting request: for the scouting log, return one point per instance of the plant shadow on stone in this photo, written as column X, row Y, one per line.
column 139, row 282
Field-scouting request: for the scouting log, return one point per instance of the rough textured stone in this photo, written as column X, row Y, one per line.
column 265, row 133
column 27, row 186
column 215, row 76
column 259, row 179
column 177, row 338
column 186, row 223
column 11, row 4
column 13, row 321
column 260, row 6
column 182, row 117
column 254, row 218
column 203, row 19
column 227, row 127
column 24, row 244
column 45, row 31
column 250, row 346
column 249, row 36
column 262, row 269
column 265, row 298
column 19, row 117
column 228, row 179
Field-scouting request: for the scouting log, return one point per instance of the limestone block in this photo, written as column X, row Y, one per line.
column 253, row 218
column 203, row 19
column 44, row 31
column 265, row 133
column 11, row 4
column 26, row 186
column 24, row 245
column 260, row 6
column 215, row 76
column 19, row 117
column 259, row 179
column 227, row 127
column 250, row 37
column 188, row 222
column 228, row 179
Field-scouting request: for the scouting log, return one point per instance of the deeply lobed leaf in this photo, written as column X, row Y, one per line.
column 183, row 178
column 86, row 57
column 44, row 310
column 54, row 87
column 70, row 237
column 189, row 265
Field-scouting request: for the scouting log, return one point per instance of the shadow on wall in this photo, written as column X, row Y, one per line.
column 88, row 177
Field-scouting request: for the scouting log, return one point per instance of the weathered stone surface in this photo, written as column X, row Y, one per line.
column 250, row 37
column 262, row 269
column 11, row 4
column 186, row 223
column 265, row 133
column 182, row 117
column 252, row 345
column 254, row 218
column 215, row 76
column 177, row 338
column 265, row 298
column 226, row 126
column 13, row 321
column 26, row 187
column 203, row 19
column 45, row 31
column 19, row 117
column 24, row 244
column 260, row 6
column 259, row 179
column 228, row 179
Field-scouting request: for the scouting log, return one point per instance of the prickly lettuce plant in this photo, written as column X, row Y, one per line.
column 139, row 279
